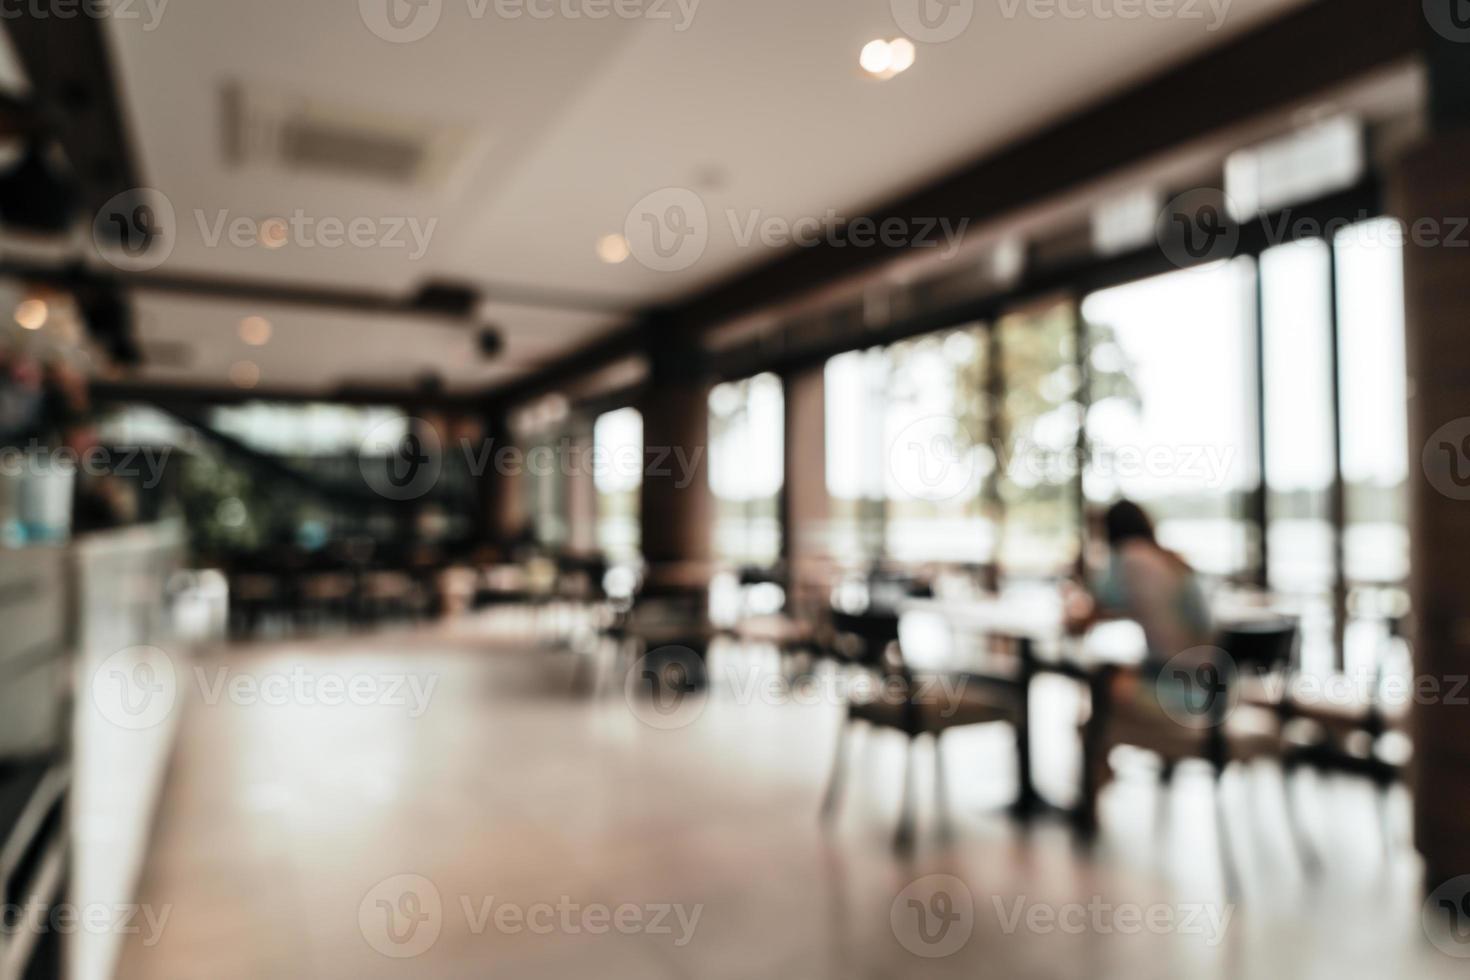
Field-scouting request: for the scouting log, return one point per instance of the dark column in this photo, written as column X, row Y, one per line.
column 1431, row 183
column 805, row 545
column 501, row 483
column 676, row 509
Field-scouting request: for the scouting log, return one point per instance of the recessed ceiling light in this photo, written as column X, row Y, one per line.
column 245, row 374
column 612, row 249
column 255, row 331
column 31, row 314
column 884, row 59
column 273, row 232
column 876, row 57
column 901, row 49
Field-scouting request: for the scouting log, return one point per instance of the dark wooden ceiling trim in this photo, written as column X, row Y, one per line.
column 69, row 65
column 1308, row 51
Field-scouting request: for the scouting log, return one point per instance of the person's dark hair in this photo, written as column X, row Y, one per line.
column 1126, row 521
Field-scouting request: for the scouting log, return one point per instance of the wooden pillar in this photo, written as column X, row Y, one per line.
column 1430, row 192
column 502, row 485
column 676, row 509
column 1432, row 183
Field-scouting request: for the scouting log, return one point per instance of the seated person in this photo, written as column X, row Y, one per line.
column 1156, row 588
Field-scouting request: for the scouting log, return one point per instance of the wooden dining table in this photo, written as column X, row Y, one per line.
column 1024, row 636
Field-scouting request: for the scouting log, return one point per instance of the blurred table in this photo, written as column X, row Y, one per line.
column 1024, row 636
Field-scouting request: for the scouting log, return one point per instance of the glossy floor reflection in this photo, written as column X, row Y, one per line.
column 468, row 803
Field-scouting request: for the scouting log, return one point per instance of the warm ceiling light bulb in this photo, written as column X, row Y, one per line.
column 612, row 249
column 876, row 57
column 255, row 331
column 31, row 314
column 245, row 374
column 901, row 54
column 273, row 232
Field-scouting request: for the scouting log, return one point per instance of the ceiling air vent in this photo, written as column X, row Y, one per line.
column 296, row 134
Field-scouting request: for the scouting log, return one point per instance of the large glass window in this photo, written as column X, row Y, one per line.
column 1374, row 434
column 617, row 452
column 1171, row 417
column 746, row 464
column 1040, row 418
column 1374, row 421
column 936, row 437
column 1207, row 395
column 1296, row 364
column 855, row 384
column 908, row 450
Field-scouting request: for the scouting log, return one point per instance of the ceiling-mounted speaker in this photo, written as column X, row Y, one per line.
column 109, row 319
column 489, row 342
column 449, row 299
column 37, row 194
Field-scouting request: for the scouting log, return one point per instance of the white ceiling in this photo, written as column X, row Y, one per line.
column 562, row 125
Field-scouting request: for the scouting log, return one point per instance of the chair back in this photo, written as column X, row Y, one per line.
column 869, row 635
column 1260, row 648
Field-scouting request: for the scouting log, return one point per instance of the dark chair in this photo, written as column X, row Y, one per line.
column 902, row 701
column 1227, row 710
column 1349, row 737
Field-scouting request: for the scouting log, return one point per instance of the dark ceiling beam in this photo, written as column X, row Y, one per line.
column 230, row 288
column 1076, row 278
column 1304, row 53
column 188, row 398
column 623, row 342
column 69, row 65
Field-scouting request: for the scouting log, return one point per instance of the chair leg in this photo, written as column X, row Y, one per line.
column 1306, row 853
column 1383, row 793
column 1165, row 796
column 833, row 794
column 1222, row 835
column 903, row 837
column 941, row 790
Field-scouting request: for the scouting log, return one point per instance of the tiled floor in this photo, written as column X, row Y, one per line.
column 525, row 826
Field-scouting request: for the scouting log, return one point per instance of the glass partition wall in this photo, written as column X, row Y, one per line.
column 1255, row 406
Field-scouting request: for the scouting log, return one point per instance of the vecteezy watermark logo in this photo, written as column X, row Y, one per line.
column 668, row 230
column 301, row 230
column 1449, row 18
column 1197, row 227
column 1446, row 459
column 35, row 459
column 401, row 916
column 404, row 21
column 575, row 918
column 933, row 916
column 1196, row 688
column 932, row 21
column 1215, row 10
column 1446, row 917
column 93, row 918
column 934, row 459
column 400, row 21
column 135, row 688
column 119, row 10
column 135, row 230
column 297, row 686
column 401, row 459
column 835, row 231
column 662, row 689
column 1100, row 917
